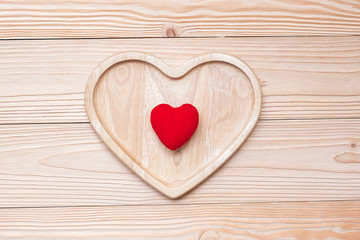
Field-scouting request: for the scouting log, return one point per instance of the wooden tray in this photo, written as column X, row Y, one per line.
column 123, row 90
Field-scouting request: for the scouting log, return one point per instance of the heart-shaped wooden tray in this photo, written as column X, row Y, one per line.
column 122, row 91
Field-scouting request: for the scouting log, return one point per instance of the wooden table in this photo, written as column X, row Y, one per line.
column 297, row 176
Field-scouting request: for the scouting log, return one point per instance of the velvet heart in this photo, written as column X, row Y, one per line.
column 174, row 126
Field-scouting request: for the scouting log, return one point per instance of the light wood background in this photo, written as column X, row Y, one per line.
column 297, row 176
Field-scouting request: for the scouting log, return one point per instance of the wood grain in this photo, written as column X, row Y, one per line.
column 286, row 160
column 302, row 77
column 123, row 90
column 75, row 19
column 299, row 220
column 59, row 181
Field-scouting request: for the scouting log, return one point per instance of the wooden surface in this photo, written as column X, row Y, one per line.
column 301, row 164
column 299, row 220
column 21, row 19
column 293, row 160
column 122, row 91
column 301, row 77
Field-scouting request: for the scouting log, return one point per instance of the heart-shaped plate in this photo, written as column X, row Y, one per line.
column 122, row 91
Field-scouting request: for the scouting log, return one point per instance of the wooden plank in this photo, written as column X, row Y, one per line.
column 301, row 77
column 299, row 220
column 78, row 19
column 283, row 160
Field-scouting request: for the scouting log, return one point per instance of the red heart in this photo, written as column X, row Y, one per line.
column 174, row 126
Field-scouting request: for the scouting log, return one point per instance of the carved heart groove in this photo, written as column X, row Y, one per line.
column 122, row 91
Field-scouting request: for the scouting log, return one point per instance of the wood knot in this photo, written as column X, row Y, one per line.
column 353, row 145
column 348, row 157
column 210, row 235
column 177, row 157
column 171, row 31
